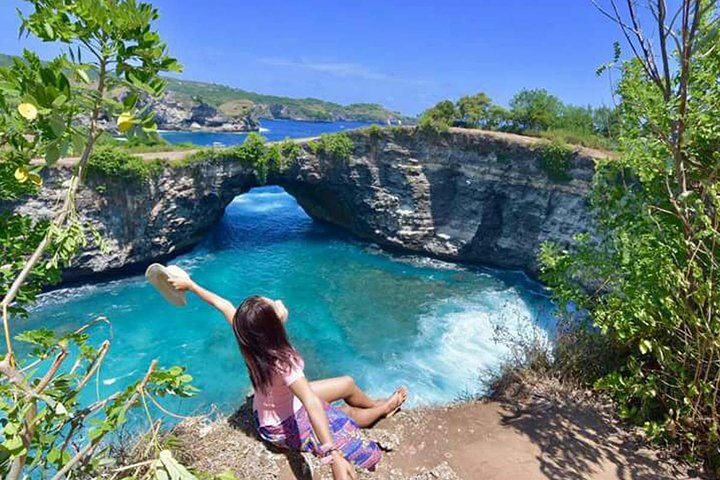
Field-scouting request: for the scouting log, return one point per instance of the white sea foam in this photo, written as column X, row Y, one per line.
column 457, row 344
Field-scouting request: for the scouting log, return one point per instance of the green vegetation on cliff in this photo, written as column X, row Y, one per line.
column 264, row 158
column 337, row 145
column 532, row 112
column 555, row 160
column 114, row 162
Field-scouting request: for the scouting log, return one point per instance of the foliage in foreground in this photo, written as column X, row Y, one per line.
column 49, row 428
column 649, row 276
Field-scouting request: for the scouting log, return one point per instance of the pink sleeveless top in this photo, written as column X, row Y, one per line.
column 278, row 402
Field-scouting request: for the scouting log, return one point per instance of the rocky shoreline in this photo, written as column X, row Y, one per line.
column 463, row 196
column 179, row 112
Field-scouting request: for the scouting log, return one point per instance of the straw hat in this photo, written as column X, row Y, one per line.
column 158, row 276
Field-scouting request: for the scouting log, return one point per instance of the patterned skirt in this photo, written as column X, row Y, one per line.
column 296, row 433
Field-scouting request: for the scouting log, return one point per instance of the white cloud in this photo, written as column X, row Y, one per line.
column 341, row 69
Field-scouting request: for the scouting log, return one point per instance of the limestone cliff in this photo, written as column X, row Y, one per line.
column 468, row 196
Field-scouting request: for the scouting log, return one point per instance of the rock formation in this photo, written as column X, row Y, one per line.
column 467, row 196
column 175, row 111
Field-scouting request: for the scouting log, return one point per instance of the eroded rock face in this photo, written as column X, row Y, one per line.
column 466, row 196
column 142, row 222
column 179, row 112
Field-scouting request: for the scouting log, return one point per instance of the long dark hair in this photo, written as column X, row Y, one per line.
column 263, row 341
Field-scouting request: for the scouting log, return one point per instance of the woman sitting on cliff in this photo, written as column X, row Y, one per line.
column 291, row 412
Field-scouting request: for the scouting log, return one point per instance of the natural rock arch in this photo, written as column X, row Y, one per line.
column 465, row 195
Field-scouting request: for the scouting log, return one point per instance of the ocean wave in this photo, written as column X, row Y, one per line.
column 459, row 341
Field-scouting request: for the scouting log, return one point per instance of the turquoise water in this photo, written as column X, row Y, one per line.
column 354, row 309
column 271, row 129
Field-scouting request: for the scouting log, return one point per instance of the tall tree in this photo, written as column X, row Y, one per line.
column 473, row 109
column 440, row 117
column 535, row 110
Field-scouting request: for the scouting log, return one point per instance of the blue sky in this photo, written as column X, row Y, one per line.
column 404, row 54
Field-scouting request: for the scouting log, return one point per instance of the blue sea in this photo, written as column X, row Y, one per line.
column 355, row 309
column 270, row 129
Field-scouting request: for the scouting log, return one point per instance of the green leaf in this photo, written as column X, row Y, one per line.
column 11, row 428
column 49, row 31
column 82, row 74
column 57, row 125
column 52, row 154
column 226, row 475
column 96, row 433
column 174, row 469
column 59, row 101
column 54, row 455
column 14, row 444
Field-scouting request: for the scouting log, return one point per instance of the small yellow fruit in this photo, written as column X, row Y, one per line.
column 36, row 179
column 21, row 174
column 28, row 111
column 125, row 122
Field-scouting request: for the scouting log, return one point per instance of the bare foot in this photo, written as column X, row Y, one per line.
column 394, row 403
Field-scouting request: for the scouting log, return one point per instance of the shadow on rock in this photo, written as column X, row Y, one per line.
column 244, row 421
column 579, row 440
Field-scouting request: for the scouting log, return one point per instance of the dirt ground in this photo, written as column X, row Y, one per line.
column 538, row 437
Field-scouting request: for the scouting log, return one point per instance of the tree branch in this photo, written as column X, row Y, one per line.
column 87, row 449
column 102, row 351
column 662, row 32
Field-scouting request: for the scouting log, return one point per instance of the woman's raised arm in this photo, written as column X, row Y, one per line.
column 215, row 300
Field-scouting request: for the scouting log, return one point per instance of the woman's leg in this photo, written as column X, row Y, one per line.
column 343, row 388
column 366, row 417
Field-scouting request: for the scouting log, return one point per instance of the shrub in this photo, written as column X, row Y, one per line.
column 572, row 137
column 254, row 152
column 337, row 145
column 374, row 131
column 113, row 162
column 439, row 118
column 250, row 152
column 290, row 151
column 555, row 160
column 655, row 250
